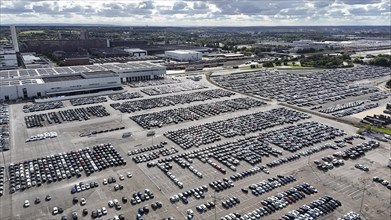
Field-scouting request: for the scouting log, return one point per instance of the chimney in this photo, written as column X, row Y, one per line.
column 14, row 39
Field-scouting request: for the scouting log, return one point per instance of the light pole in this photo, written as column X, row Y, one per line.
column 313, row 171
column 363, row 194
column 215, row 198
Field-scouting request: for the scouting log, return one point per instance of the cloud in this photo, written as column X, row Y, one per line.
column 200, row 5
column 179, row 6
column 197, row 12
column 360, row 2
column 146, row 5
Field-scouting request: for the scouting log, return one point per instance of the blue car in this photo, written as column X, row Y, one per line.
column 140, row 211
column 73, row 190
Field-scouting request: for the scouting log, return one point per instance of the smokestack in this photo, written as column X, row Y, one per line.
column 14, row 39
column 108, row 42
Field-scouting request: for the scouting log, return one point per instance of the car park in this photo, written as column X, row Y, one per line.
column 43, row 136
column 202, row 134
column 143, row 104
column 321, row 206
column 247, row 147
column 165, row 89
column 125, row 96
column 68, row 115
column 87, row 101
column 42, row 106
column 178, row 115
column 76, row 161
column 4, row 130
column 303, row 90
column 154, row 82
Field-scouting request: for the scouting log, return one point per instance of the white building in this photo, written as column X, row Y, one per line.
column 8, row 57
column 183, row 55
column 58, row 81
column 136, row 52
column 31, row 61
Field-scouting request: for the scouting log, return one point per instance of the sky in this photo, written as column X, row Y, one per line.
column 198, row 13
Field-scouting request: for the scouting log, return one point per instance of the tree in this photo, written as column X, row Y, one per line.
column 268, row 64
column 359, row 61
column 388, row 84
column 381, row 60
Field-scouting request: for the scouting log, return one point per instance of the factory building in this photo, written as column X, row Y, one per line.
column 62, row 81
column 136, row 52
column 183, row 55
column 8, row 58
column 31, row 61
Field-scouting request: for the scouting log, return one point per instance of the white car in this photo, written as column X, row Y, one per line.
column 190, row 212
column 83, row 201
column 26, row 203
column 104, row 211
column 129, row 175
column 104, row 181
column 121, row 177
column 110, row 204
column 55, row 211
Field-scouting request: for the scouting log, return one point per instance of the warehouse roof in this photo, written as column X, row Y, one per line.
column 20, row 82
column 37, row 73
column 61, row 78
column 182, row 51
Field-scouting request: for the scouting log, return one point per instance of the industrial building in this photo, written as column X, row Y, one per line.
column 8, row 58
column 31, row 61
column 60, row 81
column 136, row 52
column 183, row 55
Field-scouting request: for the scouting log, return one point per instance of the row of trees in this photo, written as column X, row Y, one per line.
column 321, row 61
column 381, row 60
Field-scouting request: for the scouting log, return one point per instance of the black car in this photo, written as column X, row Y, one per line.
column 94, row 214
column 85, row 212
column 124, row 199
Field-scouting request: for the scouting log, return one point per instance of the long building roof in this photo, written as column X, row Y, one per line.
column 38, row 73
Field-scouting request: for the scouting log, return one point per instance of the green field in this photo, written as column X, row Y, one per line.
column 32, row 32
column 369, row 128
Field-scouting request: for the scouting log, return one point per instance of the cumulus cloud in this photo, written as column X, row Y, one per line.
column 179, row 6
column 197, row 12
column 200, row 5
